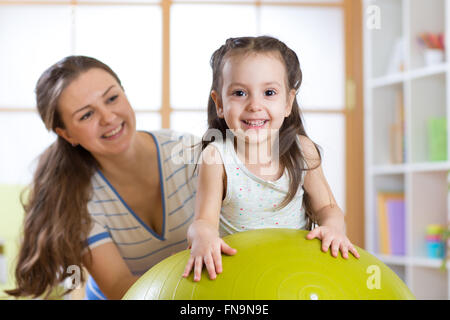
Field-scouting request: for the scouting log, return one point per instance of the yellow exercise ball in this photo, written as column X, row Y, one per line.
column 274, row 264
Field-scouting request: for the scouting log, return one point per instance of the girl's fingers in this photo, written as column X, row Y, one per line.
column 326, row 242
column 227, row 249
column 313, row 234
column 354, row 251
column 210, row 266
column 335, row 244
column 217, row 259
column 198, row 268
column 344, row 251
column 188, row 267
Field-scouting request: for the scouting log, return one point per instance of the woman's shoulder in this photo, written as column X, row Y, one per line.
column 166, row 135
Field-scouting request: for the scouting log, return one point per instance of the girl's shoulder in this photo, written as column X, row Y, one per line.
column 212, row 154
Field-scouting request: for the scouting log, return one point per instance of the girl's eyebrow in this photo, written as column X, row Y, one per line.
column 104, row 94
column 276, row 83
column 238, row 84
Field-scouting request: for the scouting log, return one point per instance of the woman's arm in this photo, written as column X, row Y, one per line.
column 329, row 216
column 109, row 271
column 203, row 233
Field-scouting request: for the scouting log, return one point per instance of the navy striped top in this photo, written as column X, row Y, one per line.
column 114, row 221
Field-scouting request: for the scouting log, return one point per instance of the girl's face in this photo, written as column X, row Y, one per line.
column 254, row 100
column 96, row 114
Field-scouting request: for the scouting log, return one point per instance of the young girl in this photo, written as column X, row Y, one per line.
column 253, row 106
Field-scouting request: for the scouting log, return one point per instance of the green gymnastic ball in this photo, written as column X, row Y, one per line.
column 274, row 264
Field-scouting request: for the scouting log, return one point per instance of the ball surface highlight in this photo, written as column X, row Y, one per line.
column 274, row 264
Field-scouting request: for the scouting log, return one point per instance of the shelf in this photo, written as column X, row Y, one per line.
column 414, row 261
column 387, row 80
column 406, row 114
column 389, row 169
column 429, row 166
column 427, row 71
column 393, row 260
column 428, row 262
column 400, row 77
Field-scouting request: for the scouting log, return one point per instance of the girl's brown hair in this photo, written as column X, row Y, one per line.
column 57, row 222
column 291, row 157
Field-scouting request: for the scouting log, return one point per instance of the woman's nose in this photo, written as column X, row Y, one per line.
column 106, row 115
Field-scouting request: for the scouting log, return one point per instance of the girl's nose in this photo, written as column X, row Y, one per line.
column 254, row 104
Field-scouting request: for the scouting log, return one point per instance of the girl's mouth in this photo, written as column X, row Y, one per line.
column 254, row 124
column 114, row 133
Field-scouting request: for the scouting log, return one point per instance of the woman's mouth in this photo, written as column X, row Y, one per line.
column 114, row 133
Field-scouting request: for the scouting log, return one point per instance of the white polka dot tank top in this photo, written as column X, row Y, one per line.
column 252, row 202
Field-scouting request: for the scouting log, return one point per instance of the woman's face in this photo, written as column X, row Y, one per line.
column 96, row 114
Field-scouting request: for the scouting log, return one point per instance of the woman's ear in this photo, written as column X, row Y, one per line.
column 65, row 135
column 217, row 101
column 290, row 102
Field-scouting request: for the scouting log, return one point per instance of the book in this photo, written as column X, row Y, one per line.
column 383, row 234
column 437, row 138
column 397, row 131
column 391, row 222
column 396, row 223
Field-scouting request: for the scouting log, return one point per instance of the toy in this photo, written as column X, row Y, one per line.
column 435, row 241
column 274, row 264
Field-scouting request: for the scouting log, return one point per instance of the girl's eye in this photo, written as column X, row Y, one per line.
column 113, row 98
column 86, row 116
column 270, row 92
column 239, row 93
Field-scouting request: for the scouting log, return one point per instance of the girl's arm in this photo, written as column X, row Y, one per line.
column 109, row 271
column 203, row 233
column 329, row 216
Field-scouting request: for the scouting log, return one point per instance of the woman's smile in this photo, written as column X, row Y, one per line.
column 115, row 133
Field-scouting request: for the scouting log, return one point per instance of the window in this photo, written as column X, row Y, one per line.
column 147, row 42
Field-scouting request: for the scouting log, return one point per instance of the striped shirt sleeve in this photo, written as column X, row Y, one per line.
column 99, row 235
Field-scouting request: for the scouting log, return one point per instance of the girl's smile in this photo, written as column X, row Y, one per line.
column 254, row 124
column 254, row 97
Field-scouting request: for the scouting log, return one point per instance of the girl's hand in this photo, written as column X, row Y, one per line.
column 335, row 238
column 206, row 248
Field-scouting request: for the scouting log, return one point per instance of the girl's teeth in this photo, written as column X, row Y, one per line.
column 115, row 131
column 255, row 123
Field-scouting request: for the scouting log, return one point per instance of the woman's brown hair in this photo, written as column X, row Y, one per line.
column 57, row 222
column 291, row 157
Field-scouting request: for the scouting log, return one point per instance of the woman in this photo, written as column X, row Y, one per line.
column 103, row 196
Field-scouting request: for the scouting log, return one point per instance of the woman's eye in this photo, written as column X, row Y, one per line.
column 270, row 92
column 86, row 115
column 113, row 98
column 239, row 93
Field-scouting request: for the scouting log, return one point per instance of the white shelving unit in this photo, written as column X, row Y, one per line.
column 424, row 91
